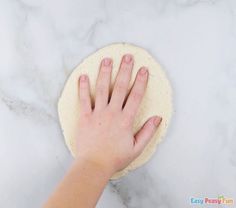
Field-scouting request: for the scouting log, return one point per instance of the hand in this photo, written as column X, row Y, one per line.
column 105, row 134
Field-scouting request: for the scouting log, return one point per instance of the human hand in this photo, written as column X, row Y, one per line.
column 105, row 135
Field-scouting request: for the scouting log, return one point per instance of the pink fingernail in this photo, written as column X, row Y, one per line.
column 128, row 58
column 107, row 62
column 83, row 78
column 143, row 71
column 157, row 120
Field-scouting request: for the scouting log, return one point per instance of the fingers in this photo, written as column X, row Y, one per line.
column 103, row 84
column 145, row 134
column 137, row 93
column 122, row 82
column 84, row 94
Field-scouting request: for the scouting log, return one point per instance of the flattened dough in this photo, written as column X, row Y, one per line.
column 157, row 99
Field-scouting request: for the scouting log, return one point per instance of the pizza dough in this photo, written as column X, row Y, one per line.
column 157, row 99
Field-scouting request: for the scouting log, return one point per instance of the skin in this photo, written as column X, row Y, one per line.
column 105, row 140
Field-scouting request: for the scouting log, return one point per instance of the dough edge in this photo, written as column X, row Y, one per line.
column 151, row 150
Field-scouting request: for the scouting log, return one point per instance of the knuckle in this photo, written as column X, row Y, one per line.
column 125, row 67
column 112, row 111
column 85, row 117
column 127, row 121
column 141, row 80
column 83, row 101
column 83, row 86
column 121, row 86
column 101, row 89
column 136, row 96
column 105, row 69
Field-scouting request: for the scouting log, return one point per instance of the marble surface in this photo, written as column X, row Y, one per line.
column 194, row 40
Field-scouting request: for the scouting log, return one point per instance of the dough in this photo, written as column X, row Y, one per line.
column 157, row 99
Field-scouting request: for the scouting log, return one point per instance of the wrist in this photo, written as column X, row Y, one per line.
column 94, row 166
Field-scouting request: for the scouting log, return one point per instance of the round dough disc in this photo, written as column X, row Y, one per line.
column 157, row 99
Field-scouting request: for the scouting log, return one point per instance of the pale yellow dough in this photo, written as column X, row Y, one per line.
column 157, row 99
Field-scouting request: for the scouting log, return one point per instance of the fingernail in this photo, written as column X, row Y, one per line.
column 143, row 71
column 157, row 120
column 107, row 62
column 83, row 78
column 128, row 58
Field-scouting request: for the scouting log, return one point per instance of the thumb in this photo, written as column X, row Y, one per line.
column 144, row 135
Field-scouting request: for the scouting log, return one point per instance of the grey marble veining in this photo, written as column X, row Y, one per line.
column 195, row 42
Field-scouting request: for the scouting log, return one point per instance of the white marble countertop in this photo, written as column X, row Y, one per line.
column 194, row 40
